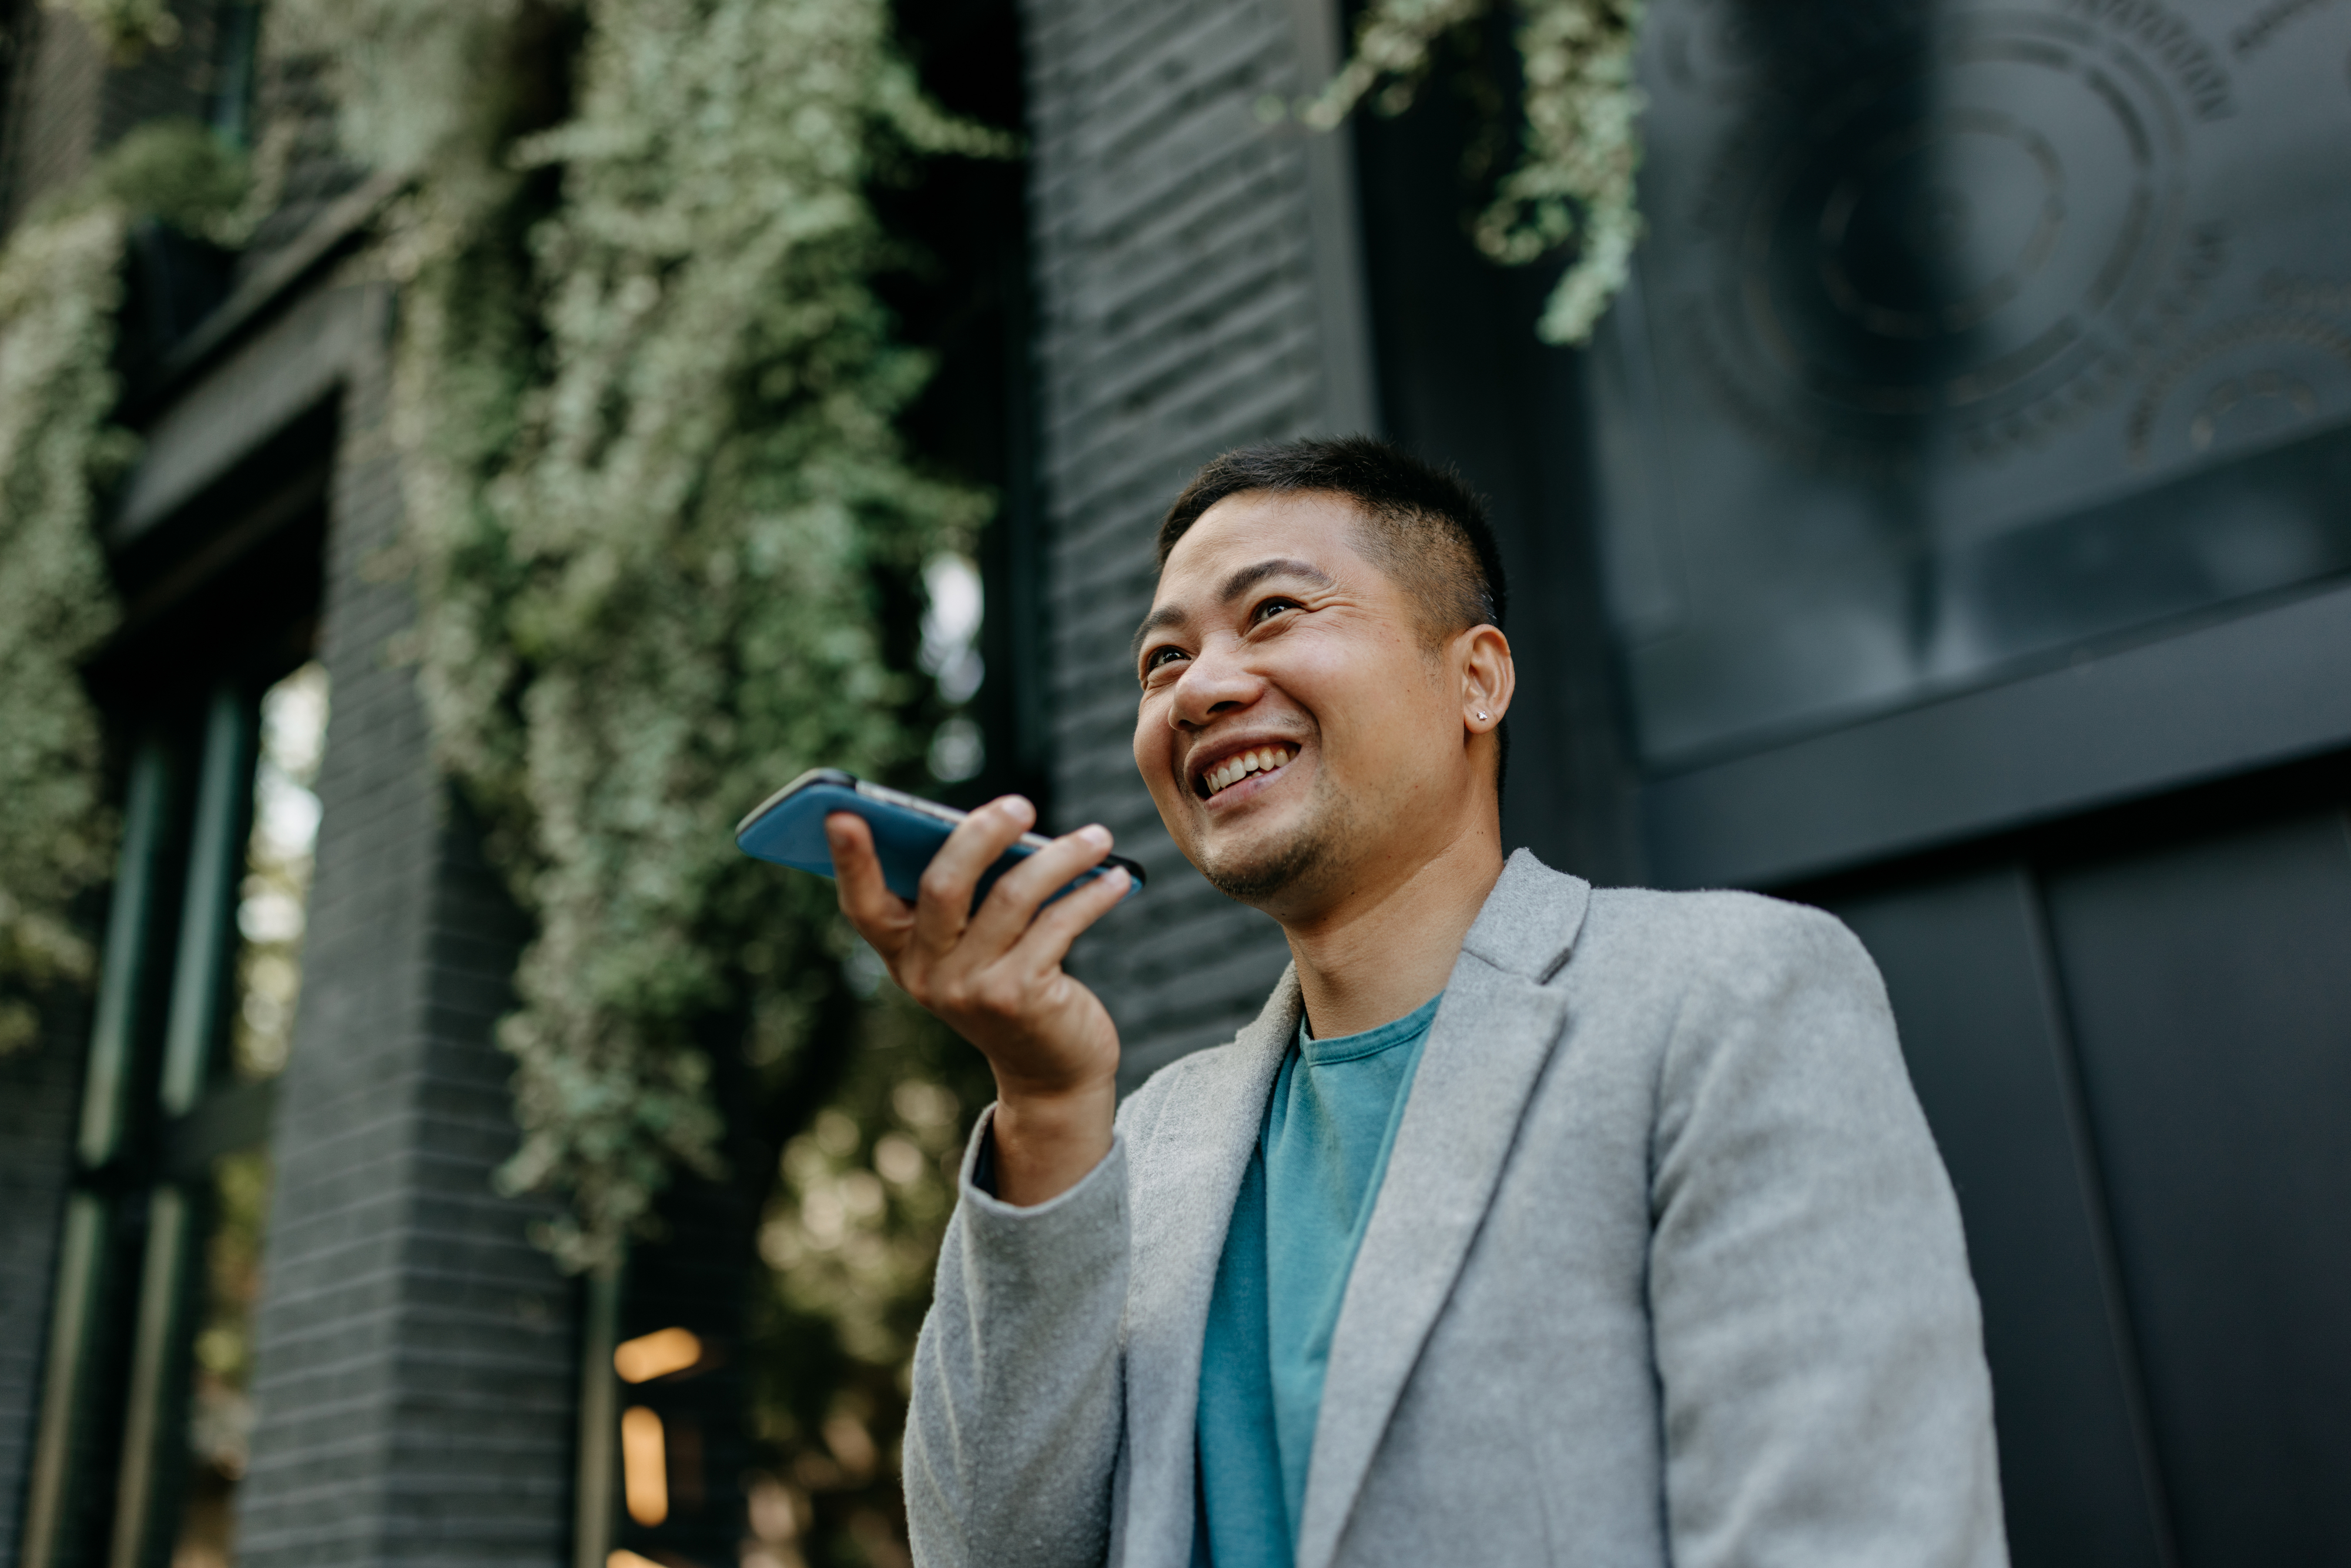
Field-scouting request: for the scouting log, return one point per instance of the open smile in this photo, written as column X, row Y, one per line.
column 1257, row 762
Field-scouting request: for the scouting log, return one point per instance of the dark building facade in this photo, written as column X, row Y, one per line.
column 417, row 1359
column 1949, row 527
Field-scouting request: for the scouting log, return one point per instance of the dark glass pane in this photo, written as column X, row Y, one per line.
column 1966, row 334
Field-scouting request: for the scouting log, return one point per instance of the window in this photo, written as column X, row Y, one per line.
column 1961, row 343
column 144, row 1416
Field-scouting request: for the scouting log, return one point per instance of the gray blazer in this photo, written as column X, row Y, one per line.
column 1664, row 1270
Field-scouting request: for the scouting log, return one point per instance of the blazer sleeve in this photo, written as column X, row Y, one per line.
column 1825, row 1400
column 1013, row 1426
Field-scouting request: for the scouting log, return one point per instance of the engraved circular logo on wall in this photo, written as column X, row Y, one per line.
column 1979, row 227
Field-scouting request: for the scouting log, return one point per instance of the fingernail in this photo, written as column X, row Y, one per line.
column 1096, row 835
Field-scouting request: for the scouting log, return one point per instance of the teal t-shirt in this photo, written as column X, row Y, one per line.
column 1300, row 1217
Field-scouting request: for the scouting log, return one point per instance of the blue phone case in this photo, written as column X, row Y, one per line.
column 788, row 828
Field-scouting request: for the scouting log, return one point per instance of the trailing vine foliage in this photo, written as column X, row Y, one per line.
column 645, row 401
column 60, row 287
column 59, row 284
column 1580, row 146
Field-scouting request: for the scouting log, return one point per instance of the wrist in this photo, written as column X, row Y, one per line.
column 1046, row 1142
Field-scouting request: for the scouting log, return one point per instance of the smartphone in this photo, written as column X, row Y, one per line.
column 788, row 828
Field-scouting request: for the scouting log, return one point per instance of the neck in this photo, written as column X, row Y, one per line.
column 1388, row 944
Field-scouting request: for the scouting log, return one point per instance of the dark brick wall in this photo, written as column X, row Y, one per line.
column 65, row 102
column 416, row 1374
column 55, row 105
column 163, row 84
column 292, row 112
column 1178, row 300
column 39, row 1095
column 20, row 24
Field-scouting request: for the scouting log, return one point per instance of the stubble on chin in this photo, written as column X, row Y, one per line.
column 1257, row 874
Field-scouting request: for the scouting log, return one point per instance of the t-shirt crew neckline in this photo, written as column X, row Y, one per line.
column 1368, row 1042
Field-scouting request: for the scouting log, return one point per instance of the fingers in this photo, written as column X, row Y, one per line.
column 944, row 907
column 936, row 947
column 1047, row 941
column 1013, row 902
column 879, row 915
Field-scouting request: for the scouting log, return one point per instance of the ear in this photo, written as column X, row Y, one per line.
column 1488, row 678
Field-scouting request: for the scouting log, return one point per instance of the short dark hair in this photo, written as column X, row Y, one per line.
column 1425, row 527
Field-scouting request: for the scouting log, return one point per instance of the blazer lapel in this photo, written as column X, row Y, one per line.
column 1183, row 1194
column 1491, row 1037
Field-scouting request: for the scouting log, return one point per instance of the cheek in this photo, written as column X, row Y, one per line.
column 1152, row 736
column 1368, row 703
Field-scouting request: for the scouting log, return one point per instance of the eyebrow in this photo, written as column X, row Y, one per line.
column 1239, row 582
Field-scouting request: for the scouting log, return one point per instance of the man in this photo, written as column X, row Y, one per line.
column 1528, row 1223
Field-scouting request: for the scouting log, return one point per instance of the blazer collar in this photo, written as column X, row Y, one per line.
column 1492, row 1036
column 1200, row 1143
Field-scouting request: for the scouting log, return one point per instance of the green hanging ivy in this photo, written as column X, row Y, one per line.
column 61, row 287
column 60, row 283
column 644, row 402
column 647, row 429
column 1580, row 148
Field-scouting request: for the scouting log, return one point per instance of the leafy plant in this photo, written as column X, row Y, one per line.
column 1580, row 145
column 646, row 399
column 61, row 287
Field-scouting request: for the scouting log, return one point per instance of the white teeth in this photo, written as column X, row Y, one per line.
column 1233, row 770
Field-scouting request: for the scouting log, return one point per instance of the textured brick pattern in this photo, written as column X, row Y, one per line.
column 39, row 1095
column 164, row 84
column 1178, row 306
column 290, row 99
column 415, row 1377
column 57, row 102
column 66, row 106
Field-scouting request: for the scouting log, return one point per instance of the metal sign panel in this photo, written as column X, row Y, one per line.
column 1965, row 335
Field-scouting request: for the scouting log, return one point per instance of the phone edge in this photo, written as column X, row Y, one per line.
column 883, row 795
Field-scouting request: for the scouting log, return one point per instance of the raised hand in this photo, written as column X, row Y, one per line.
column 994, row 974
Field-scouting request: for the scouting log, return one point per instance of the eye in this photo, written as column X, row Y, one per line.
column 1268, row 609
column 1161, row 656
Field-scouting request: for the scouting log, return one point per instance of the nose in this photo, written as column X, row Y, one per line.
column 1215, row 682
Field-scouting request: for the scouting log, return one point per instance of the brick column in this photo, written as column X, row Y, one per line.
column 416, row 1380
column 1189, row 258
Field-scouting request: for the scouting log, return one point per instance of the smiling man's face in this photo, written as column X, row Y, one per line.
column 1297, row 727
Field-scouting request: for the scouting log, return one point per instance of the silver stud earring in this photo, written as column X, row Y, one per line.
column 1481, row 718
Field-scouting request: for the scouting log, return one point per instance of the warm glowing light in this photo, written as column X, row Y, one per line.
column 629, row 1560
column 644, row 1466
column 656, row 1354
